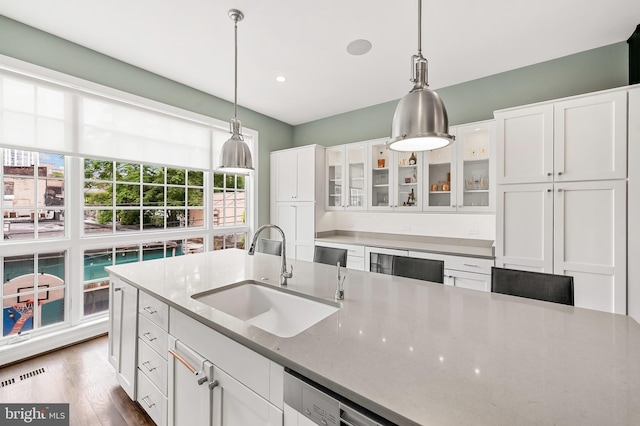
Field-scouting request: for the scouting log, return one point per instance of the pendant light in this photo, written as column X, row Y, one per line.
column 236, row 155
column 420, row 122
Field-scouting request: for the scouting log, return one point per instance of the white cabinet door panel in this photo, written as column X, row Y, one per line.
column 590, row 238
column 286, row 168
column 591, row 137
column 524, row 234
column 525, row 145
column 306, row 174
column 235, row 404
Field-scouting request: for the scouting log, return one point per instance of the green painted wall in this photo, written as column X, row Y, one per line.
column 598, row 69
column 40, row 48
column 589, row 71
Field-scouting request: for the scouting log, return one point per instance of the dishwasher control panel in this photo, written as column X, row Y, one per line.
column 321, row 408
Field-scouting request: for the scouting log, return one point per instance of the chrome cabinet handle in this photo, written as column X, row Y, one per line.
column 472, row 265
column 117, row 289
column 147, row 334
column 150, row 309
column 146, row 401
column 146, row 364
column 549, row 190
column 559, row 189
column 213, row 384
column 559, row 173
column 549, row 174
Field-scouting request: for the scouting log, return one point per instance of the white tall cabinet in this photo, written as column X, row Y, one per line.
column 297, row 177
column 561, row 196
column 634, row 204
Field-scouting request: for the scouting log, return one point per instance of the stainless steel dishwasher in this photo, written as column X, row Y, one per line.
column 324, row 407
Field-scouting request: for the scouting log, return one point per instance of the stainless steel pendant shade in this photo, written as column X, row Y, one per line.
column 236, row 155
column 420, row 122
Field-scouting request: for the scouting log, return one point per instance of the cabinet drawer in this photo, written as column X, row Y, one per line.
column 467, row 280
column 469, row 264
column 153, row 366
column 153, row 336
column 356, row 263
column 152, row 400
column 154, row 310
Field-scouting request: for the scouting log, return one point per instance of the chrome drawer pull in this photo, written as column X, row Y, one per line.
column 117, row 289
column 146, row 401
column 150, row 310
column 471, row 265
column 213, row 384
column 145, row 364
column 147, row 334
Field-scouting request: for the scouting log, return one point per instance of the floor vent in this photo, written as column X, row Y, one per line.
column 32, row 373
column 7, row 382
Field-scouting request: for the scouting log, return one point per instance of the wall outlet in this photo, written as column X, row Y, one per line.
column 474, row 231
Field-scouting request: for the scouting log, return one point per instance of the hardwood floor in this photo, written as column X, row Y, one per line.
column 79, row 375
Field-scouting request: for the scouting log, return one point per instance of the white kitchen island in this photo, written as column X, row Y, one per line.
column 421, row 353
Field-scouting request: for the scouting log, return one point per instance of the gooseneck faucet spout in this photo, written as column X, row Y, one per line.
column 284, row 274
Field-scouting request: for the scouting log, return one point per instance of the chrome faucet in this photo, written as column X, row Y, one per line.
column 284, row 274
column 340, row 283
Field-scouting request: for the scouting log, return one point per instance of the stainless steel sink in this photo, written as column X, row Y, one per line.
column 271, row 309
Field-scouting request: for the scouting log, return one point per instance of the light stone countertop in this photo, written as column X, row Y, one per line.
column 453, row 246
column 423, row 353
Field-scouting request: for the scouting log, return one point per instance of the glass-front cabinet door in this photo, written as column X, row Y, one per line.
column 440, row 178
column 335, row 178
column 346, row 186
column 408, row 177
column 356, row 197
column 475, row 182
column 381, row 183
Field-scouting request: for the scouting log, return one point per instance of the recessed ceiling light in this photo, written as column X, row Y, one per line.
column 281, row 79
column 359, row 47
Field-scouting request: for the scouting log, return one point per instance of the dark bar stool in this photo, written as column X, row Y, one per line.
column 419, row 269
column 533, row 285
column 269, row 246
column 330, row 255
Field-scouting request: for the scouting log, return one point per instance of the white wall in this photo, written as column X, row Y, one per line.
column 473, row 226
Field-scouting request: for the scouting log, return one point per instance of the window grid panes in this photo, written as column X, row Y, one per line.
column 130, row 197
column 33, row 300
column 33, row 204
column 134, row 174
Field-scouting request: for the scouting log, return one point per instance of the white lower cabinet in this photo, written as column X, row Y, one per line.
column 214, row 380
column 297, row 221
column 123, row 313
column 153, row 327
column 470, row 280
column 568, row 228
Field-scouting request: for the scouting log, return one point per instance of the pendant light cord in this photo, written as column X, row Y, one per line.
column 235, row 75
column 420, row 28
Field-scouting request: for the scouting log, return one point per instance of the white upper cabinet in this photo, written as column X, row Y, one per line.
column 396, row 178
column 294, row 174
column 590, row 139
column 346, row 177
column 461, row 176
column 578, row 139
column 525, row 145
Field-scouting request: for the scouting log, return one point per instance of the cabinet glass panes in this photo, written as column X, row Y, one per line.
column 408, row 166
column 355, row 159
column 335, row 161
column 381, row 159
column 439, row 179
column 475, row 165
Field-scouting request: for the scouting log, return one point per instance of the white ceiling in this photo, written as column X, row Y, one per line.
column 191, row 41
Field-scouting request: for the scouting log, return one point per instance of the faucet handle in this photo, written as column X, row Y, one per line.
column 289, row 274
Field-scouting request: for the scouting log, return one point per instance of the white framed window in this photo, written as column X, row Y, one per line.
column 94, row 177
